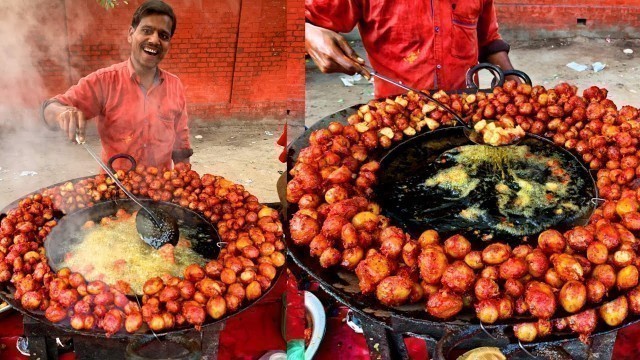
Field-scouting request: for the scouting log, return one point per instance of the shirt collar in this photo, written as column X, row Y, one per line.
column 132, row 73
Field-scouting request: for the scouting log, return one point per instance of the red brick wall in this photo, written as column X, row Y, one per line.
column 232, row 56
column 539, row 19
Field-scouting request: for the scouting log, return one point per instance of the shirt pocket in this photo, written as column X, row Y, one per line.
column 163, row 128
column 464, row 31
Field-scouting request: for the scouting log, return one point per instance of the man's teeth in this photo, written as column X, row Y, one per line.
column 151, row 51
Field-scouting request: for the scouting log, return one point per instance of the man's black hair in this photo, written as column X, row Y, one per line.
column 153, row 7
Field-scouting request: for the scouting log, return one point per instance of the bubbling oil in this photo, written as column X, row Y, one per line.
column 523, row 185
column 114, row 251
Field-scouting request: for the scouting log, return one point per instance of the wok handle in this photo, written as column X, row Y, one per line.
column 498, row 75
column 122, row 156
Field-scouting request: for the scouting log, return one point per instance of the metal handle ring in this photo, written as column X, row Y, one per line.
column 222, row 244
column 487, row 332
column 597, row 201
column 525, row 350
column 493, row 69
column 122, row 156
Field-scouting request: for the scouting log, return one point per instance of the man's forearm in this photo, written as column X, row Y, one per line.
column 501, row 58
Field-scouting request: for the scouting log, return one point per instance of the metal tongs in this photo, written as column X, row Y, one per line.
column 469, row 131
column 155, row 227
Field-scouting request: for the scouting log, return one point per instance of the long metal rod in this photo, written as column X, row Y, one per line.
column 420, row 92
column 120, row 185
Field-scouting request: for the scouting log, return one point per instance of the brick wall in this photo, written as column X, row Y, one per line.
column 540, row 19
column 233, row 57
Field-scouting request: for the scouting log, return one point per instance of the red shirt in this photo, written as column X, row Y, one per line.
column 428, row 44
column 146, row 124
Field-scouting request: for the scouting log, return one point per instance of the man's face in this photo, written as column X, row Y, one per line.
column 150, row 41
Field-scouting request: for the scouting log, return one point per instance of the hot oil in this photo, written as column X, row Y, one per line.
column 509, row 191
column 114, row 251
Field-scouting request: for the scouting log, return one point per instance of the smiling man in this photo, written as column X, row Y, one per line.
column 140, row 108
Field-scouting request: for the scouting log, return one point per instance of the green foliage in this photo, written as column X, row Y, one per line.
column 110, row 4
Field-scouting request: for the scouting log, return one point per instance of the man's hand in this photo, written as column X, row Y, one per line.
column 68, row 118
column 331, row 52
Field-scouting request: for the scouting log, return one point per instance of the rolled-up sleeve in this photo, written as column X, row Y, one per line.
column 336, row 15
column 489, row 39
column 87, row 95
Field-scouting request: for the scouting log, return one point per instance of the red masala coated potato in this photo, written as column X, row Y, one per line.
column 595, row 291
column 597, row 253
column 303, row 228
column 488, row 310
column 458, row 277
column 486, row 288
column 579, row 238
column 513, row 268
column 551, row 241
column 474, row 260
column 540, row 299
column 429, row 237
column 151, row 286
column 537, row 263
column 372, row 270
column 584, row 322
column 567, row 267
column 432, row 263
column 457, row 247
column 55, row 313
column 444, row 304
column 31, row 300
column 394, row 290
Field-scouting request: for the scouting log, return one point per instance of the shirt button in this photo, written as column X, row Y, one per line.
column 439, row 66
column 437, row 28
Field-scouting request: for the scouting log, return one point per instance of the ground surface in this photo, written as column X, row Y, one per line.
column 242, row 151
column 544, row 62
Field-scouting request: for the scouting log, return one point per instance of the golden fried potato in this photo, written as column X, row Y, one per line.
column 394, row 290
column 614, row 312
column 496, row 253
column 573, row 296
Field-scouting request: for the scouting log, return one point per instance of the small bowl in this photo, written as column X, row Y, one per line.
column 318, row 324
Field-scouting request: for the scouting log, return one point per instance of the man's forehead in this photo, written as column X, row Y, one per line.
column 156, row 21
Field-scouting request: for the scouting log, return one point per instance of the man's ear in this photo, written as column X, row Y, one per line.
column 130, row 35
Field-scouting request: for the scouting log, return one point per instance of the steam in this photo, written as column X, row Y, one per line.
column 33, row 43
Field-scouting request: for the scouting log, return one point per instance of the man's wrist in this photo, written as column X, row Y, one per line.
column 181, row 155
column 43, row 113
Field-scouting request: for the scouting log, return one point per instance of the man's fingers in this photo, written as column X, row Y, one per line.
column 82, row 126
column 73, row 122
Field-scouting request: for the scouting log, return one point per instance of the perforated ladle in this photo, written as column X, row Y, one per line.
column 154, row 226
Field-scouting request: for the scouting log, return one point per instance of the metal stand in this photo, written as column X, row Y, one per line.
column 44, row 342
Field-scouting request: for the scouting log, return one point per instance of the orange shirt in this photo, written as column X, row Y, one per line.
column 146, row 124
column 427, row 44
